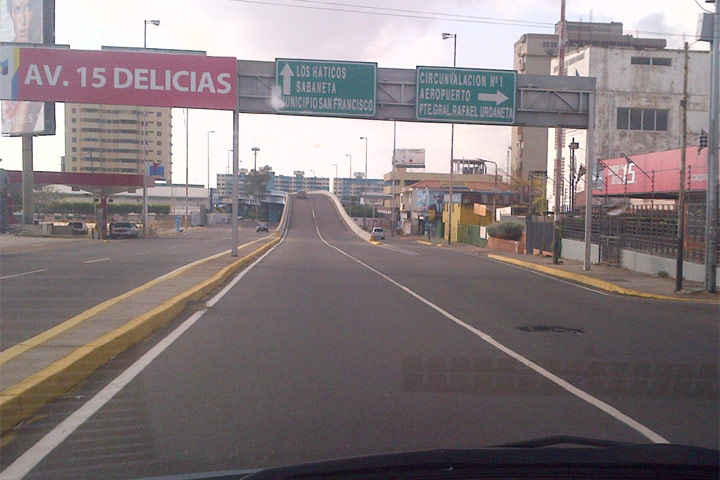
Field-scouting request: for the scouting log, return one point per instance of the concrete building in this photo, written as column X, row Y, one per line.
column 224, row 184
column 117, row 139
column 298, row 182
column 638, row 105
column 343, row 188
column 533, row 54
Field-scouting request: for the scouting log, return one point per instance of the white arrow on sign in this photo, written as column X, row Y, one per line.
column 286, row 75
column 498, row 97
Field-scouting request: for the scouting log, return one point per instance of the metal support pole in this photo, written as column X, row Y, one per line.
column 558, row 147
column 235, row 202
column 187, row 166
column 590, row 169
column 681, row 191
column 711, row 218
column 28, row 216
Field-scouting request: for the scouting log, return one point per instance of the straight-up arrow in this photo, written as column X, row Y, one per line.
column 498, row 97
column 286, row 75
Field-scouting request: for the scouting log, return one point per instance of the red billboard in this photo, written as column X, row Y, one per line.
column 121, row 78
column 637, row 175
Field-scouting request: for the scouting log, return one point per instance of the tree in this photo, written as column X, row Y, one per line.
column 258, row 180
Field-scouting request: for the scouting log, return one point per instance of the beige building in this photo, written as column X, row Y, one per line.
column 116, row 139
column 533, row 55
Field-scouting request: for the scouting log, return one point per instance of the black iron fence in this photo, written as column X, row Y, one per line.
column 641, row 228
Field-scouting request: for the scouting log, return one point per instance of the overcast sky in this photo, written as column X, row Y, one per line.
column 333, row 29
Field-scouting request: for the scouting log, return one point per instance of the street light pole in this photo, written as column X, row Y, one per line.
column 144, row 160
column 494, row 188
column 365, row 182
column 255, row 151
column 208, row 170
column 445, row 36
column 711, row 208
column 351, row 183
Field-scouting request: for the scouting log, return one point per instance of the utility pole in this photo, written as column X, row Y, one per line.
column 365, row 181
column 445, row 36
column 559, row 144
column 681, row 192
column 187, row 166
column 350, row 189
column 711, row 218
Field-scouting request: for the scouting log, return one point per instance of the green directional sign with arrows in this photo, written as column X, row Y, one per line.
column 322, row 87
column 465, row 95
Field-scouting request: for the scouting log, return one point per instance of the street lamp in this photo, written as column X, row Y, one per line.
column 351, row 183
column 365, row 182
column 145, row 192
column 446, row 36
column 255, row 151
column 208, row 170
column 336, row 177
column 153, row 22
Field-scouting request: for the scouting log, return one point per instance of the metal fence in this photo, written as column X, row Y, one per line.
column 641, row 228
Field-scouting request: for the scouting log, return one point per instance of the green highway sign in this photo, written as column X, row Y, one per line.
column 465, row 95
column 320, row 87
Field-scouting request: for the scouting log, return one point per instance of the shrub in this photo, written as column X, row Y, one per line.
column 507, row 230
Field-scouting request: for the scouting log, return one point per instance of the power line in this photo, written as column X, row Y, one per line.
column 408, row 14
column 426, row 15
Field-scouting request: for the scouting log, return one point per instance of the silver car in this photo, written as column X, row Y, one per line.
column 378, row 233
column 123, row 229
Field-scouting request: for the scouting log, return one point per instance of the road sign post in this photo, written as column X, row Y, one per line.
column 320, row 87
column 465, row 95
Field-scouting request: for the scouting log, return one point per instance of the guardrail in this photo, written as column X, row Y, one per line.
column 285, row 218
column 344, row 215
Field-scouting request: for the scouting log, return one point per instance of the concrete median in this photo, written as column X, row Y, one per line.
column 25, row 397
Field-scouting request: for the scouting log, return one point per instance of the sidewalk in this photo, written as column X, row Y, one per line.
column 41, row 368
column 617, row 280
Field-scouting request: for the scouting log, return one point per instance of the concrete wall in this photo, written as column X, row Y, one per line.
column 642, row 262
column 636, row 261
column 575, row 250
column 344, row 215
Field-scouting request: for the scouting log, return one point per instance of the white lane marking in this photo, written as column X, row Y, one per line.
column 98, row 260
column 21, row 274
column 35, row 454
column 594, row 401
column 399, row 250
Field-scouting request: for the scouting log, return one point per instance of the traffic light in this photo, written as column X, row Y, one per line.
column 702, row 141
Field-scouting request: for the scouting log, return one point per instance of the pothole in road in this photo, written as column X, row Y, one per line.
column 550, row 328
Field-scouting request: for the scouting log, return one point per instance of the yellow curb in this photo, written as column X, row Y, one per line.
column 438, row 244
column 424, row 242
column 28, row 396
column 375, row 242
column 12, row 352
column 593, row 282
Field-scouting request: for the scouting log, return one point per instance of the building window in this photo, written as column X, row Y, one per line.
column 659, row 61
column 74, row 169
column 648, row 119
column 159, row 143
column 158, row 114
column 74, row 149
column 159, row 134
column 159, row 124
column 74, row 139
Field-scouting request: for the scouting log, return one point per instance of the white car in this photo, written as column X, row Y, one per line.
column 378, row 233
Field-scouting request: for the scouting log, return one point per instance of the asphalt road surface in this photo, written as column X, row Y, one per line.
column 332, row 347
column 40, row 289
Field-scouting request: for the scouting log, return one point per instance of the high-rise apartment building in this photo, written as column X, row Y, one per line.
column 117, row 139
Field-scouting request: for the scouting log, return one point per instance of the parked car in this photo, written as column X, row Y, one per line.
column 261, row 228
column 378, row 233
column 78, row 228
column 302, row 194
column 123, row 229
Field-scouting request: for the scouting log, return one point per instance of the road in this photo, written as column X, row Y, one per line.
column 331, row 346
column 41, row 289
